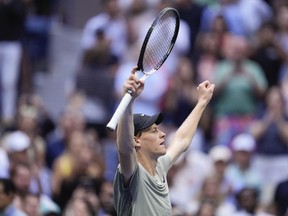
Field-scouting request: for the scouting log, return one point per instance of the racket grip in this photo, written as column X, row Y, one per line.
column 119, row 111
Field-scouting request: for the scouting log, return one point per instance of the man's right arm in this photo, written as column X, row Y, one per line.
column 125, row 130
column 125, row 145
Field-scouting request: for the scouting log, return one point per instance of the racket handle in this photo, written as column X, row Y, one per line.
column 119, row 111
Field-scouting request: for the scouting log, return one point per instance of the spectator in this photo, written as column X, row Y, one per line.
column 12, row 19
column 206, row 208
column 237, row 80
column 99, row 55
column 22, row 176
column 241, row 172
column 69, row 121
column 219, row 27
column 138, row 13
column 77, row 207
column 268, row 53
column 178, row 99
column 28, row 124
column 237, row 14
column 191, row 13
column 21, row 150
column 44, row 122
column 106, row 200
column 78, row 161
column 37, row 35
column 280, row 198
column 113, row 25
column 17, row 145
column 209, row 49
column 31, row 204
column 210, row 190
column 7, row 191
column 281, row 18
column 271, row 133
column 86, row 190
column 248, row 203
column 272, row 126
column 221, row 158
column 227, row 9
column 254, row 14
column 95, row 80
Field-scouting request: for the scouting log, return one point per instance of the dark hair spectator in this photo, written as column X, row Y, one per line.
column 7, row 192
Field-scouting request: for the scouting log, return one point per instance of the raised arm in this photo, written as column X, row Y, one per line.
column 125, row 129
column 184, row 135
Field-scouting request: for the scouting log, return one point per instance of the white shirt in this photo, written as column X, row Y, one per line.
column 4, row 164
column 114, row 29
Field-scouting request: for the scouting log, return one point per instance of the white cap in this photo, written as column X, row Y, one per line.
column 243, row 142
column 220, row 153
column 16, row 141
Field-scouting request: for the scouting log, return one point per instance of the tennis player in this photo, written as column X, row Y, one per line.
column 140, row 184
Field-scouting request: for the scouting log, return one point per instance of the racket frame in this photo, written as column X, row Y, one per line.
column 172, row 43
column 112, row 124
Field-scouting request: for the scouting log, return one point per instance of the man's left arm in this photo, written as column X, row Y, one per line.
column 184, row 135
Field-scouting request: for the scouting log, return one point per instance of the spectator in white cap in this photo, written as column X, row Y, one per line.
column 221, row 157
column 241, row 172
column 16, row 144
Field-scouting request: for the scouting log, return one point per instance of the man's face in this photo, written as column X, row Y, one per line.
column 152, row 140
column 31, row 205
column 106, row 197
column 5, row 199
column 22, row 178
column 242, row 158
column 248, row 199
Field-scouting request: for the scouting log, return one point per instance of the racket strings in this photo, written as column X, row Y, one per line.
column 159, row 44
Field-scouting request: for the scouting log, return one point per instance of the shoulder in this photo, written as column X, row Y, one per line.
column 164, row 159
column 19, row 213
column 164, row 163
column 13, row 211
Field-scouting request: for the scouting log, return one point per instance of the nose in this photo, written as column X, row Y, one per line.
column 163, row 134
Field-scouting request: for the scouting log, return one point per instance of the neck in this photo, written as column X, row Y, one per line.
column 148, row 163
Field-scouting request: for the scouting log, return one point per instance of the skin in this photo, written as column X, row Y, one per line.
column 147, row 147
column 31, row 205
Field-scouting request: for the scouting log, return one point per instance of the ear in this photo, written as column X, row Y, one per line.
column 137, row 141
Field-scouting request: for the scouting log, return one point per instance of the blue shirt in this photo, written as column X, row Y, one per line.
column 11, row 210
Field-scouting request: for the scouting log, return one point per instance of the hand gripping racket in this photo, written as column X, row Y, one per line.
column 157, row 45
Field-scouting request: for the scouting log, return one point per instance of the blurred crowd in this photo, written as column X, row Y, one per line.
column 237, row 164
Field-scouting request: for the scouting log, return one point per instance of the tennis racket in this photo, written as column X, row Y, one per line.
column 157, row 45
